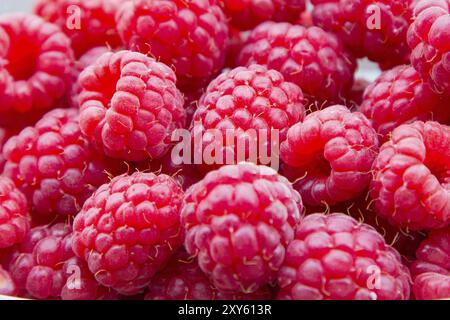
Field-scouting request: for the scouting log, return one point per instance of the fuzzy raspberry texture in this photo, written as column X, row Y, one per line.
column 189, row 35
column 253, row 104
column 53, row 165
column 411, row 178
column 247, row 14
column 330, row 155
column 335, row 257
column 14, row 217
column 182, row 279
column 44, row 266
column 7, row 285
column 88, row 23
column 432, row 267
column 36, row 64
column 369, row 28
column 238, row 221
column 129, row 229
column 130, row 106
column 310, row 57
column 400, row 96
column 429, row 39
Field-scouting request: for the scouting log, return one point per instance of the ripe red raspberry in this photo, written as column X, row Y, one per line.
column 14, row 217
column 7, row 285
column 238, row 221
column 310, row 57
column 189, row 35
column 369, row 28
column 182, row 279
column 335, row 257
column 88, row 23
column 44, row 266
column 53, row 165
column 128, row 230
column 400, row 96
column 36, row 65
column 429, row 39
column 247, row 14
column 330, row 154
column 242, row 100
column 411, row 184
column 432, row 267
column 130, row 106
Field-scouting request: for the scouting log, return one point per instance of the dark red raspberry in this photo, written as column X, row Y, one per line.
column 334, row 257
column 330, row 155
column 247, row 14
column 130, row 106
column 189, row 35
column 237, row 41
column 239, row 221
column 432, row 267
column 7, row 285
column 429, row 40
column 36, row 65
column 53, row 165
column 411, row 185
column 310, row 57
column 88, row 23
column 14, row 217
column 400, row 96
column 182, row 279
column 369, row 28
column 128, row 230
column 244, row 100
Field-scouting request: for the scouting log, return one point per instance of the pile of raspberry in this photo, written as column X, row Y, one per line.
column 225, row 150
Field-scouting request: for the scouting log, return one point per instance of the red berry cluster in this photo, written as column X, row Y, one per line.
column 225, row 150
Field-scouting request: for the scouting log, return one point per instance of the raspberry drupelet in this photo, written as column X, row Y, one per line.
column 129, row 229
column 53, row 165
column 238, row 221
column 369, row 28
column 400, row 96
column 88, row 23
column 247, row 14
column 130, row 106
column 250, row 102
column 411, row 182
column 429, row 39
column 329, row 155
column 191, row 36
column 431, row 270
column 313, row 59
column 334, row 257
column 36, row 63
column 7, row 285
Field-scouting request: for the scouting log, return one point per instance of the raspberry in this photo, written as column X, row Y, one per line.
column 14, row 218
column 88, row 23
column 238, row 221
column 310, row 57
column 369, row 28
column 44, row 266
column 237, row 41
column 7, row 286
column 130, row 106
column 189, row 35
column 241, row 100
column 432, row 267
column 428, row 37
column 36, row 65
column 248, row 14
column 4, row 135
column 182, row 279
column 411, row 185
column 331, row 154
column 53, row 166
column 128, row 230
column 400, row 96
column 334, row 257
